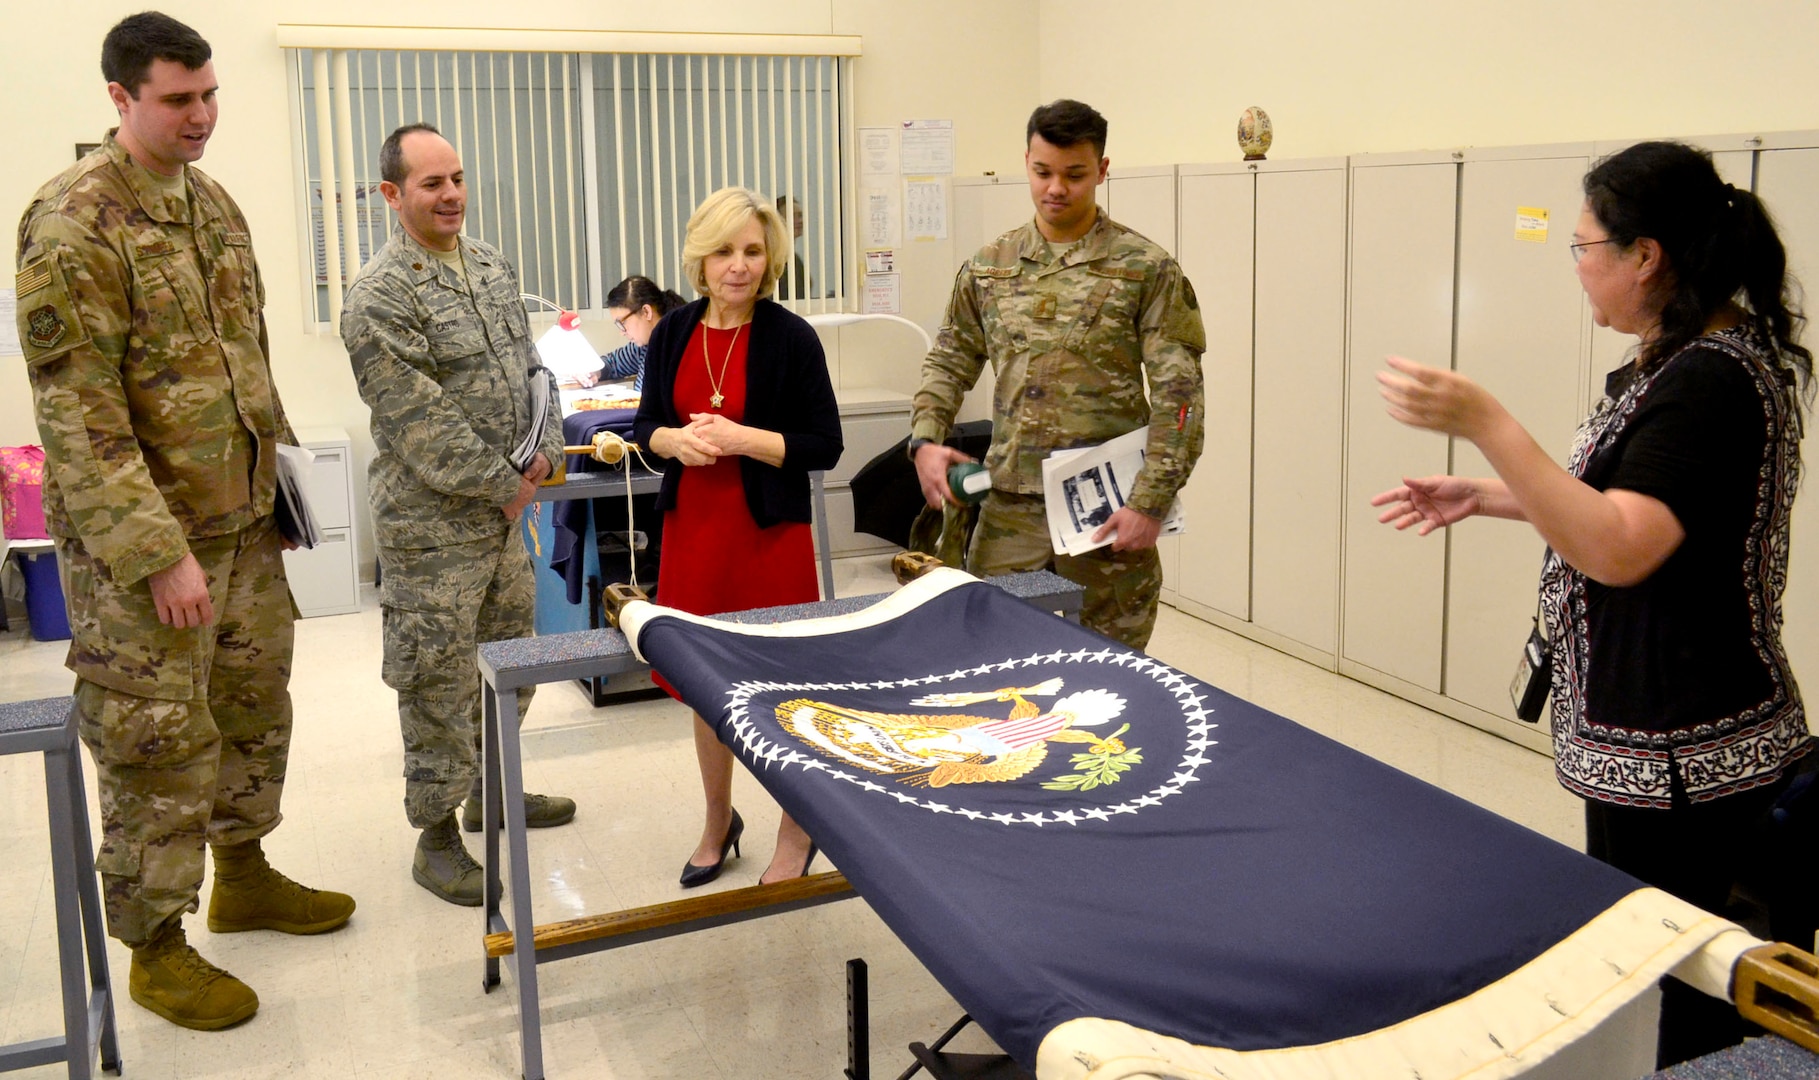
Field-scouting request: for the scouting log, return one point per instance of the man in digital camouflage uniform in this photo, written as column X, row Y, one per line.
column 140, row 313
column 441, row 349
column 1077, row 315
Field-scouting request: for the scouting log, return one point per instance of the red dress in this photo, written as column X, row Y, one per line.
column 715, row 557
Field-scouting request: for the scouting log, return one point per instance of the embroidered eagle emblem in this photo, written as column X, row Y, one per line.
column 936, row 750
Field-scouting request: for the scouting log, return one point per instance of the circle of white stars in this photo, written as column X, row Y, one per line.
column 768, row 751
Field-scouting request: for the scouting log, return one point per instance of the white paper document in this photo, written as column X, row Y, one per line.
column 1084, row 488
column 927, row 147
column 9, row 327
column 567, row 353
column 925, row 208
column 296, row 521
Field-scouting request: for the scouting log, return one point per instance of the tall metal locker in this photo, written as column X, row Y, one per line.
column 1787, row 180
column 1522, row 334
column 1404, row 209
column 1217, row 231
column 1144, row 199
column 1297, row 441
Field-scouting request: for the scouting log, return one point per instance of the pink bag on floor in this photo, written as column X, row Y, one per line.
column 22, row 492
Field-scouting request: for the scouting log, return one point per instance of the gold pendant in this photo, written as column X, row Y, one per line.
column 716, row 401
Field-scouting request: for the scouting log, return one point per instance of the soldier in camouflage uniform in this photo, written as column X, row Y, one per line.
column 441, row 349
column 1078, row 315
column 140, row 313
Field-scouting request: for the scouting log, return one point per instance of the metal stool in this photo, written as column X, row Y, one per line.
column 48, row 726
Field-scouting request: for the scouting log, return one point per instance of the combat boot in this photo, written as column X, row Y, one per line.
column 250, row 895
column 443, row 866
column 171, row 979
column 540, row 811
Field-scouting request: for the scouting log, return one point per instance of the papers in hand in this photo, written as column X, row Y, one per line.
column 1083, row 488
column 296, row 522
column 543, row 385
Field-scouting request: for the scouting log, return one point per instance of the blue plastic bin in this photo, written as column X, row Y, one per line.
column 44, row 608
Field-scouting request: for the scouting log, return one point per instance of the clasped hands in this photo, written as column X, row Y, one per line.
column 707, row 437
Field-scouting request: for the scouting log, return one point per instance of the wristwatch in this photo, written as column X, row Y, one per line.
column 916, row 444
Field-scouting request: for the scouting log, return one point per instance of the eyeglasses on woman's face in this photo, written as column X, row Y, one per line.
column 1578, row 247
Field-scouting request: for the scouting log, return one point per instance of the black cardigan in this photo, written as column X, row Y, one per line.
column 787, row 390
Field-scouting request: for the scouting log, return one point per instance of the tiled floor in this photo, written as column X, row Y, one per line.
column 396, row 994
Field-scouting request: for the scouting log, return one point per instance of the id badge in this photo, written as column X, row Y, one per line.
column 1534, row 676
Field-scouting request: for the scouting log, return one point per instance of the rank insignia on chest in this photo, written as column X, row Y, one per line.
column 1044, row 307
column 45, row 327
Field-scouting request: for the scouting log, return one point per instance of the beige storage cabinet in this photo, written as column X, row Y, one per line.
column 1404, row 211
column 324, row 580
column 1522, row 334
column 1288, row 344
column 1217, row 237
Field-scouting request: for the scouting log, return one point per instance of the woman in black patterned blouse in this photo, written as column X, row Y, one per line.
column 1675, row 716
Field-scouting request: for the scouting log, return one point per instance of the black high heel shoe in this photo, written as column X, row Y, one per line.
column 693, row 875
column 813, row 848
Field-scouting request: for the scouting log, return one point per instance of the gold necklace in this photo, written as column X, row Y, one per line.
column 718, row 399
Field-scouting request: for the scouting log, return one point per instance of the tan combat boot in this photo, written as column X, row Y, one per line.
column 540, row 811
column 443, row 866
column 250, row 895
column 171, row 979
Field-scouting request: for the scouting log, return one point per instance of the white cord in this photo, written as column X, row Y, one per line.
column 610, row 448
column 552, row 305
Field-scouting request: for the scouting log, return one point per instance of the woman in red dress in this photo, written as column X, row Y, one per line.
column 738, row 400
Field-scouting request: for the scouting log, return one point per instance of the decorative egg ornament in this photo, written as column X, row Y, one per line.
column 1254, row 133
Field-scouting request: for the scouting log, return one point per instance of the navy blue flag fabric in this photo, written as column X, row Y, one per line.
column 1060, row 827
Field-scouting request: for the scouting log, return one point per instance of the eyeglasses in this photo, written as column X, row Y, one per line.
column 620, row 321
column 1578, row 248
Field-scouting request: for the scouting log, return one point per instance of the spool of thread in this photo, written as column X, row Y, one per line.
column 969, row 481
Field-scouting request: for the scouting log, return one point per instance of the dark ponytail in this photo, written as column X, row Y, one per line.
column 636, row 291
column 1719, row 242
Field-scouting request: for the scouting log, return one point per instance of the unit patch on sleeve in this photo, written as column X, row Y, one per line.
column 44, row 327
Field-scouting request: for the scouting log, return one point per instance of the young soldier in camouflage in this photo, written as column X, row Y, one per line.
column 140, row 310
column 1077, row 315
column 441, row 349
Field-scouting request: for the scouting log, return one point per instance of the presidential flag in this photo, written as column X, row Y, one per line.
column 1071, row 834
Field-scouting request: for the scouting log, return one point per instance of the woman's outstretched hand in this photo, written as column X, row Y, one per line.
column 1435, row 399
column 1432, row 502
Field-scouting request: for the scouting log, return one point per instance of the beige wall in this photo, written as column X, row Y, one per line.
column 914, row 67
column 1344, row 78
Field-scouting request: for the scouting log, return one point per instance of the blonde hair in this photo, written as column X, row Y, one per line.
column 718, row 219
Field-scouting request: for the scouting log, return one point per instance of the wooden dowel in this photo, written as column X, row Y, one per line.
column 672, row 913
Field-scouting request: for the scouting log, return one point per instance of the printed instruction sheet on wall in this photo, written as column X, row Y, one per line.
column 877, row 151
column 925, row 208
column 928, row 147
column 9, row 324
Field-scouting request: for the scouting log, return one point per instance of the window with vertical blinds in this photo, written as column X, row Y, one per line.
column 582, row 167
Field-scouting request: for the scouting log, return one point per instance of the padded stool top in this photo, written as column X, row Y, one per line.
column 22, row 718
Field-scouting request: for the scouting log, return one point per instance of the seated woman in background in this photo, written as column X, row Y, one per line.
column 634, row 305
column 1675, row 715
